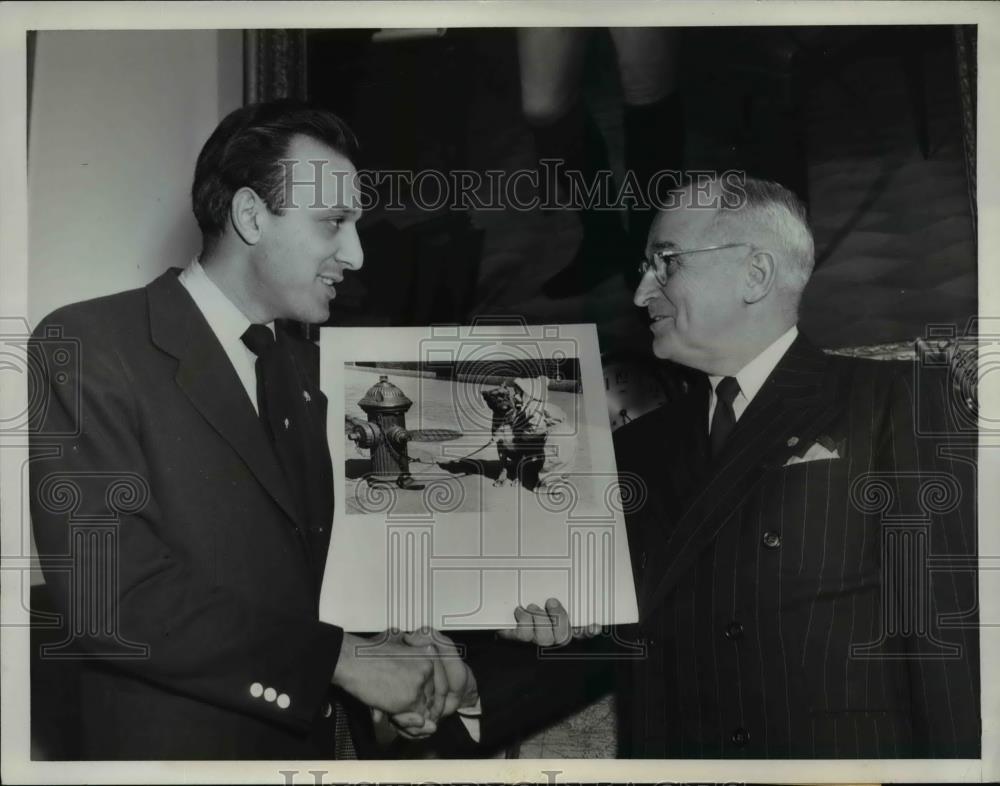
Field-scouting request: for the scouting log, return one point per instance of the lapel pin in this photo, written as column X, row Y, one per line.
column 306, row 396
column 286, row 423
column 793, row 441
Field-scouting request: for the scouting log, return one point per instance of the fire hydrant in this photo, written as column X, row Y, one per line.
column 385, row 434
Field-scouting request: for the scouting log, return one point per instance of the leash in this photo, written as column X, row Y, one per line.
column 460, row 458
column 473, row 453
column 417, row 460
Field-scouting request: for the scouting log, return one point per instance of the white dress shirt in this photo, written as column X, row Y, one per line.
column 227, row 322
column 752, row 376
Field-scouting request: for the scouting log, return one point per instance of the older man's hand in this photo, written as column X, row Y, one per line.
column 548, row 627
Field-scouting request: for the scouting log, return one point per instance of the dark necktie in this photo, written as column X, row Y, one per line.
column 723, row 419
column 260, row 340
column 281, row 406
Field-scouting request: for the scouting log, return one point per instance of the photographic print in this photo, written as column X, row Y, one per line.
column 477, row 477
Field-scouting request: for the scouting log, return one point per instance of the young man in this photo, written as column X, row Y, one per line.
column 194, row 432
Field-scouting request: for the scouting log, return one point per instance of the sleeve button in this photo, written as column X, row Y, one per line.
column 256, row 690
column 270, row 694
column 283, row 701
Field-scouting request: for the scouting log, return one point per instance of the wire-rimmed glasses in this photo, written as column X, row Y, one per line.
column 664, row 261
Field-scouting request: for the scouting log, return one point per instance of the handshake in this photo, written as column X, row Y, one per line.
column 416, row 679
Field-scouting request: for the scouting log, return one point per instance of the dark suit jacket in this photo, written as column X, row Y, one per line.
column 158, row 501
column 816, row 609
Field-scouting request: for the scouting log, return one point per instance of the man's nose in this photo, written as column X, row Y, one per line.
column 350, row 254
column 648, row 289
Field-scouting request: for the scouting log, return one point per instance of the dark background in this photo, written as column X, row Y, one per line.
column 865, row 123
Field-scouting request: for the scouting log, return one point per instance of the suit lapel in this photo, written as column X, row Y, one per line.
column 207, row 377
column 315, row 476
column 797, row 400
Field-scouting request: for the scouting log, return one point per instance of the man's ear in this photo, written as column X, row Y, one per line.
column 246, row 215
column 761, row 274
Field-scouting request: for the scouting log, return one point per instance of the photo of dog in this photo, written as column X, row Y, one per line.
column 476, row 428
column 500, row 400
column 525, row 429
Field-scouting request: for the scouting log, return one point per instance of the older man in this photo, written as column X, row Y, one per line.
column 781, row 554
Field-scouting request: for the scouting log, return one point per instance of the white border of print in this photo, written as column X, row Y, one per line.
column 16, row 18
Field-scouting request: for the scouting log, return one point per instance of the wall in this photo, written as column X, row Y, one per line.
column 118, row 118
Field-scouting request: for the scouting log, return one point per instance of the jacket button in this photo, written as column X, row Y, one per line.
column 642, row 560
column 327, row 710
column 772, row 540
column 734, row 630
column 270, row 694
column 256, row 690
column 741, row 736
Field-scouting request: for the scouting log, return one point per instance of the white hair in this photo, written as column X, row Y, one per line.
column 763, row 211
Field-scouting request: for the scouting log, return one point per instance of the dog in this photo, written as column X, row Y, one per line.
column 501, row 402
column 521, row 427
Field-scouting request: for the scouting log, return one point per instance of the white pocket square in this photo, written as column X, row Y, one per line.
column 816, row 452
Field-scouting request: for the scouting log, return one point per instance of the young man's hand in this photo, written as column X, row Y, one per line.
column 388, row 673
column 454, row 683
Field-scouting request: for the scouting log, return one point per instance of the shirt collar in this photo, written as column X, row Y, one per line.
column 753, row 375
column 223, row 316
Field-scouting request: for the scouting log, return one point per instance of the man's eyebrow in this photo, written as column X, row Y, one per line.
column 332, row 209
column 663, row 245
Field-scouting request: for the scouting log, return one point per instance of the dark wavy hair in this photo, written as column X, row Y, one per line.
column 245, row 150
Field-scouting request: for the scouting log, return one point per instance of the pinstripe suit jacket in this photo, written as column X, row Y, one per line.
column 795, row 610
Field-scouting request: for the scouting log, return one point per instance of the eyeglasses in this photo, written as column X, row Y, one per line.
column 665, row 263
